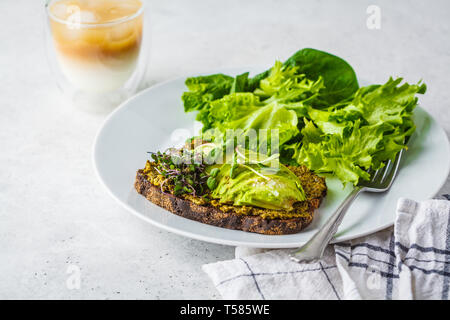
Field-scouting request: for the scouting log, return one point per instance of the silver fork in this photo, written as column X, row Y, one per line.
column 381, row 180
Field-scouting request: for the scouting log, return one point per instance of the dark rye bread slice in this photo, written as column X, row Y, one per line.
column 214, row 216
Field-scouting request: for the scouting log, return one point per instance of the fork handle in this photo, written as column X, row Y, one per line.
column 314, row 248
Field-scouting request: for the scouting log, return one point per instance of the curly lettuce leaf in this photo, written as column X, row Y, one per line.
column 285, row 84
column 245, row 111
column 370, row 129
column 346, row 158
column 284, row 93
column 204, row 89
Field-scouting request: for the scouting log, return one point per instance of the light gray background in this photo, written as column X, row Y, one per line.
column 53, row 211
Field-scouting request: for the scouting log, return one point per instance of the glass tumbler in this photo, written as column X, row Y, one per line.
column 98, row 50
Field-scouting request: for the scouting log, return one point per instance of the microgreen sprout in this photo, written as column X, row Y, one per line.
column 185, row 177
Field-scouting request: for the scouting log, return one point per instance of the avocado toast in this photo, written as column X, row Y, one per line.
column 206, row 206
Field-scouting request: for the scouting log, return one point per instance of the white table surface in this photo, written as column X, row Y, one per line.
column 53, row 211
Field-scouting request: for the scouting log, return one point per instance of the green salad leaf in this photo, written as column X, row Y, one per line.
column 314, row 103
column 285, row 84
column 369, row 130
column 204, row 89
column 346, row 158
column 339, row 78
column 246, row 112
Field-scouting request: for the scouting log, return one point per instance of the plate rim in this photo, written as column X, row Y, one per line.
column 229, row 242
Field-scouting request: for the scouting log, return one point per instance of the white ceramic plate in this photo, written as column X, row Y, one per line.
column 154, row 120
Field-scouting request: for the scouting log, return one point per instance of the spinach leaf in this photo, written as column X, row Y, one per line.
column 338, row 76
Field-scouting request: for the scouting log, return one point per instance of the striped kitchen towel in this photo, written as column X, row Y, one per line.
column 410, row 260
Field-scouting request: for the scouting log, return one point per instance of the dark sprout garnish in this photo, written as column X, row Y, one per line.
column 185, row 177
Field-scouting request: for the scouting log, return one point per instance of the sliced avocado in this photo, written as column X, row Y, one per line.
column 258, row 186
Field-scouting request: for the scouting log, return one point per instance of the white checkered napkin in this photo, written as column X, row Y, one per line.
column 272, row 275
column 409, row 261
